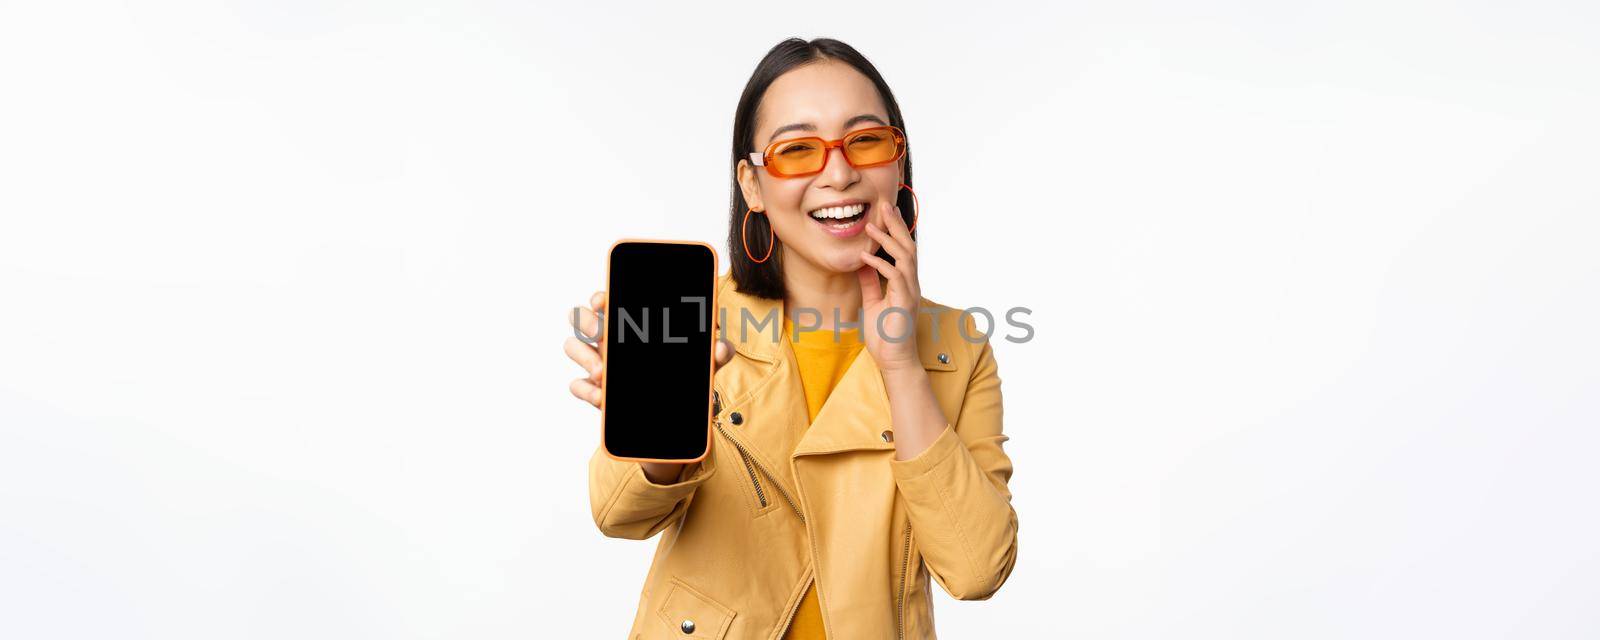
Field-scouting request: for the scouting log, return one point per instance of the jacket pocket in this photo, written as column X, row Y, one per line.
column 688, row 613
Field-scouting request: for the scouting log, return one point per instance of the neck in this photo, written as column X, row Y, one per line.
column 823, row 291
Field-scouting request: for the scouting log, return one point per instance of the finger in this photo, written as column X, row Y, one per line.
column 902, row 254
column 584, row 355
column 586, row 391
column 898, row 231
column 871, row 293
column 896, row 226
column 885, row 209
column 893, row 275
column 598, row 303
column 586, row 322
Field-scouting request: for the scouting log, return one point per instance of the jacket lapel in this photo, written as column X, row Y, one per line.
column 761, row 383
column 855, row 415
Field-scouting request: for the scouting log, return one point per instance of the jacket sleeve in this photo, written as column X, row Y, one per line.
column 626, row 504
column 957, row 494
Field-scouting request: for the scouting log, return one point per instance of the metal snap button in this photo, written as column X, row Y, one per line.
column 736, row 418
column 944, row 358
column 888, row 436
column 687, row 626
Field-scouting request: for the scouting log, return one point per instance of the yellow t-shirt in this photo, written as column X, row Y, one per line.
column 822, row 364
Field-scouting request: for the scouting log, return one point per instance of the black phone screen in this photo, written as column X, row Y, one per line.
column 658, row 357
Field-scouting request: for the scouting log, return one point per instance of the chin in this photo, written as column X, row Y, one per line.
column 845, row 260
column 836, row 255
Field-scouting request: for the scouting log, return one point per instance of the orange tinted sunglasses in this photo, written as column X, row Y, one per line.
column 798, row 157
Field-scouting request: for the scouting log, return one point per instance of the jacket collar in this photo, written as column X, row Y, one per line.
column 856, row 414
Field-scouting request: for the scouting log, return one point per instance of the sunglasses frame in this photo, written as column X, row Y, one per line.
column 763, row 158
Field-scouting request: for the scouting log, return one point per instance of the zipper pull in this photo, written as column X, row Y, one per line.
column 716, row 403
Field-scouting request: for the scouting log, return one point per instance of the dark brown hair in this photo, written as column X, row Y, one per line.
column 765, row 279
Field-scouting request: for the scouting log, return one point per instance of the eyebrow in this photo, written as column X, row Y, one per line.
column 806, row 126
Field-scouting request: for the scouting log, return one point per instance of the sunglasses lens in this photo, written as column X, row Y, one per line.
column 872, row 146
column 797, row 157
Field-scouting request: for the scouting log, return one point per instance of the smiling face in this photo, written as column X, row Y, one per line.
column 819, row 219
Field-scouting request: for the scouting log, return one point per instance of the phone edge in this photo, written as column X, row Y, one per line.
column 605, row 360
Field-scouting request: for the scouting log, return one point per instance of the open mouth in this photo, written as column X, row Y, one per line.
column 841, row 218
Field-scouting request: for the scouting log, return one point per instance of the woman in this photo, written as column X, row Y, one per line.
column 835, row 485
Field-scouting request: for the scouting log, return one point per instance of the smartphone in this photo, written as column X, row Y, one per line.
column 659, row 351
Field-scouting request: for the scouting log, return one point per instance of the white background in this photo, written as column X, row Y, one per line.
column 283, row 284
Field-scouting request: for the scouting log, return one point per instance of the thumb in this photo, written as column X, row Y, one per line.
column 723, row 351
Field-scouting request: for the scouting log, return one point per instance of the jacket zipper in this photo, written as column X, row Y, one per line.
column 761, row 496
column 716, row 412
column 900, row 598
column 749, row 461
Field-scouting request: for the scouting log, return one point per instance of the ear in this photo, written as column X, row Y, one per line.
column 750, row 185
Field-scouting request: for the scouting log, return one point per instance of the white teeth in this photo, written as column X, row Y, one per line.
column 839, row 212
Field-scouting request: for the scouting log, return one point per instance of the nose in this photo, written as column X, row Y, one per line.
column 838, row 173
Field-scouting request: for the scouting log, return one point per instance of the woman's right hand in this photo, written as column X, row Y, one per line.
column 587, row 387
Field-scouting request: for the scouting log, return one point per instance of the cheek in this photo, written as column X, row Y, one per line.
column 886, row 180
column 783, row 204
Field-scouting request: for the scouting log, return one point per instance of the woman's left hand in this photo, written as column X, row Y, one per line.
column 889, row 318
